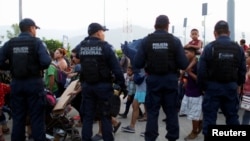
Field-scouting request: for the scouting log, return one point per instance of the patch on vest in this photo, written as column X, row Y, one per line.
column 160, row 45
column 20, row 50
column 96, row 50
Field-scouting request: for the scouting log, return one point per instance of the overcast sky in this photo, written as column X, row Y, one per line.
column 78, row 14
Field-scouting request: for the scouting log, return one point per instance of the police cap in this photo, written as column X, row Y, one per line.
column 95, row 27
column 27, row 22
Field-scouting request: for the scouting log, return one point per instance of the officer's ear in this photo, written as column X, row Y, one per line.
column 167, row 27
column 216, row 35
column 99, row 34
column 32, row 30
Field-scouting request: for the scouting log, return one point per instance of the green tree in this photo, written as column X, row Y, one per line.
column 52, row 45
column 119, row 53
column 15, row 31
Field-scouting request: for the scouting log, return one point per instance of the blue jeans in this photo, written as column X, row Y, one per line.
column 246, row 118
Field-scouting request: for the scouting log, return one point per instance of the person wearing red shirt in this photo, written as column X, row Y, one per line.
column 195, row 42
column 243, row 44
column 4, row 89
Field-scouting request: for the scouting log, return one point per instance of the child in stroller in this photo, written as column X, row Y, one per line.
column 59, row 126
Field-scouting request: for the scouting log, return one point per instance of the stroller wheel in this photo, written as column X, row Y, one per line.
column 76, row 138
column 74, row 131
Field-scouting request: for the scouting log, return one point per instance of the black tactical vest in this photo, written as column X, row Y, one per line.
column 23, row 58
column 93, row 63
column 160, row 56
column 223, row 67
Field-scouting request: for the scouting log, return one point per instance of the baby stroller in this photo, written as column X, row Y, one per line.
column 59, row 127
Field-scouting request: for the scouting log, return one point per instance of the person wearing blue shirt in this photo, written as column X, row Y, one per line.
column 99, row 64
column 221, row 72
column 162, row 55
column 26, row 57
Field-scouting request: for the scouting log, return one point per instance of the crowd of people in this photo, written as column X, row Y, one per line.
column 212, row 77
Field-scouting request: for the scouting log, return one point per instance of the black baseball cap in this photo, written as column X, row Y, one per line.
column 94, row 27
column 221, row 25
column 161, row 21
column 27, row 22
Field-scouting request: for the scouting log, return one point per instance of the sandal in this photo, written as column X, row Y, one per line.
column 116, row 127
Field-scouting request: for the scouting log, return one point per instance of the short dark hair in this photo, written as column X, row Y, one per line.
column 161, row 22
column 222, row 31
column 24, row 28
column 130, row 67
column 221, row 27
column 74, row 50
column 194, row 29
column 242, row 41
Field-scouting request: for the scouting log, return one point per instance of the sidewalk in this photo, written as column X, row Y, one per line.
column 185, row 127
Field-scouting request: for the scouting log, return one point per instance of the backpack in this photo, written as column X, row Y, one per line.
column 60, row 77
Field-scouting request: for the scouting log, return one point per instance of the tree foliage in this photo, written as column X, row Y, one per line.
column 119, row 53
column 52, row 44
column 15, row 31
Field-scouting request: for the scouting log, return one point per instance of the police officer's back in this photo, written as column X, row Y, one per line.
column 221, row 72
column 163, row 55
column 98, row 64
column 26, row 57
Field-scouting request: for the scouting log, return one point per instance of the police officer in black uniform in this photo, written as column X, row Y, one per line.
column 221, row 72
column 98, row 63
column 26, row 56
column 163, row 55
